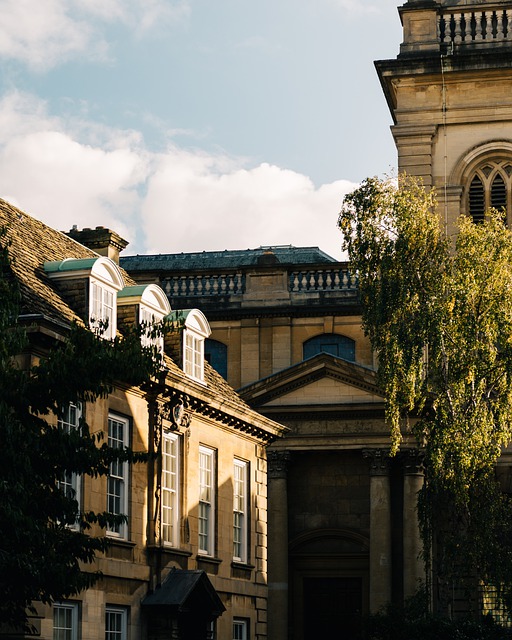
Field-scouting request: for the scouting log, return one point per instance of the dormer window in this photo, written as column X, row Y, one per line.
column 152, row 307
column 195, row 329
column 103, row 316
column 193, row 357
column 105, row 280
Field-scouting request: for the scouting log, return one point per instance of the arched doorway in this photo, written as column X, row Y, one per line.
column 329, row 585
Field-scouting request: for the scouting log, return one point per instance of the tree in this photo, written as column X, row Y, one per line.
column 42, row 551
column 438, row 312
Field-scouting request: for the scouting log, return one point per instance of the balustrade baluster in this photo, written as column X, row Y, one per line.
column 479, row 26
column 457, row 28
column 507, row 27
column 440, row 28
column 328, row 280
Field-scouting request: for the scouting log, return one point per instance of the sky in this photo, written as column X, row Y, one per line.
column 194, row 125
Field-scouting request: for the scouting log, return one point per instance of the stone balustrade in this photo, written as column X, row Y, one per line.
column 470, row 27
column 233, row 284
column 338, row 279
column 204, row 285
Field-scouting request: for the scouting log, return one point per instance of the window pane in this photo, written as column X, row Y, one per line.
column 335, row 344
column 102, row 309
column 65, row 621
column 69, row 484
column 117, row 481
column 115, row 624
column 240, row 507
column 206, row 501
column 240, row 629
column 170, row 486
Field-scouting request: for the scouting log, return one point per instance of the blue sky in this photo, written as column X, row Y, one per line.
column 190, row 125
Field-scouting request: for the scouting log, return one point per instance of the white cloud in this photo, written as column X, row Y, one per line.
column 40, row 34
column 45, row 34
column 68, row 173
column 194, row 207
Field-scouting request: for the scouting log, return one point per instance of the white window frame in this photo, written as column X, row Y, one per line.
column 240, row 510
column 193, row 355
column 148, row 318
column 118, row 477
column 119, row 615
column 103, row 308
column 240, row 629
column 65, row 629
column 170, row 489
column 207, row 496
column 71, row 483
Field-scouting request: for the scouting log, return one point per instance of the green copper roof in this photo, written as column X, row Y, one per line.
column 135, row 291
column 70, row 264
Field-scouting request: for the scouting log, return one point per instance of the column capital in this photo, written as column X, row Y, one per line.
column 379, row 461
column 278, row 462
column 412, row 460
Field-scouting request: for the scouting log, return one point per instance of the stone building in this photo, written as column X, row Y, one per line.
column 448, row 91
column 286, row 331
column 191, row 561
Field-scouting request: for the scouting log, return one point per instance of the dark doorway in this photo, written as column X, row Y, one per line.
column 332, row 608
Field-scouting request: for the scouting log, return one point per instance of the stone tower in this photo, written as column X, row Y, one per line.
column 450, row 95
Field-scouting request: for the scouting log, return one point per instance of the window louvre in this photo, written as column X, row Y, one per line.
column 498, row 193
column 476, row 200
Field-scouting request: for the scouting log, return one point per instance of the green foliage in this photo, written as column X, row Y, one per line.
column 439, row 316
column 410, row 622
column 41, row 557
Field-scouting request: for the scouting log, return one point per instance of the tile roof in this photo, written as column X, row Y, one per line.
column 285, row 255
column 32, row 243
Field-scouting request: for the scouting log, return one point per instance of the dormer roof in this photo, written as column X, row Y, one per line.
column 32, row 244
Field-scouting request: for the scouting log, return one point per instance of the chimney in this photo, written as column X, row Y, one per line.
column 104, row 241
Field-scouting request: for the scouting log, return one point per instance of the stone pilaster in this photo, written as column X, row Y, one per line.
column 380, row 528
column 414, row 567
column 278, row 545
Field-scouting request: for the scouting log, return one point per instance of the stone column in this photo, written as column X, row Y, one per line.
column 277, row 545
column 414, row 566
column 380, row 528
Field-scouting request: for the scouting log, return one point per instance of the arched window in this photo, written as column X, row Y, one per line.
column 216, row 353
column 332, row 343
column 490, row 185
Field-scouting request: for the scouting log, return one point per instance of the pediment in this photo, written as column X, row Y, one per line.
column 321, row 380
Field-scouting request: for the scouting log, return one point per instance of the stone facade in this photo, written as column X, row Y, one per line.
column 296, row 352
column 178, row 419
